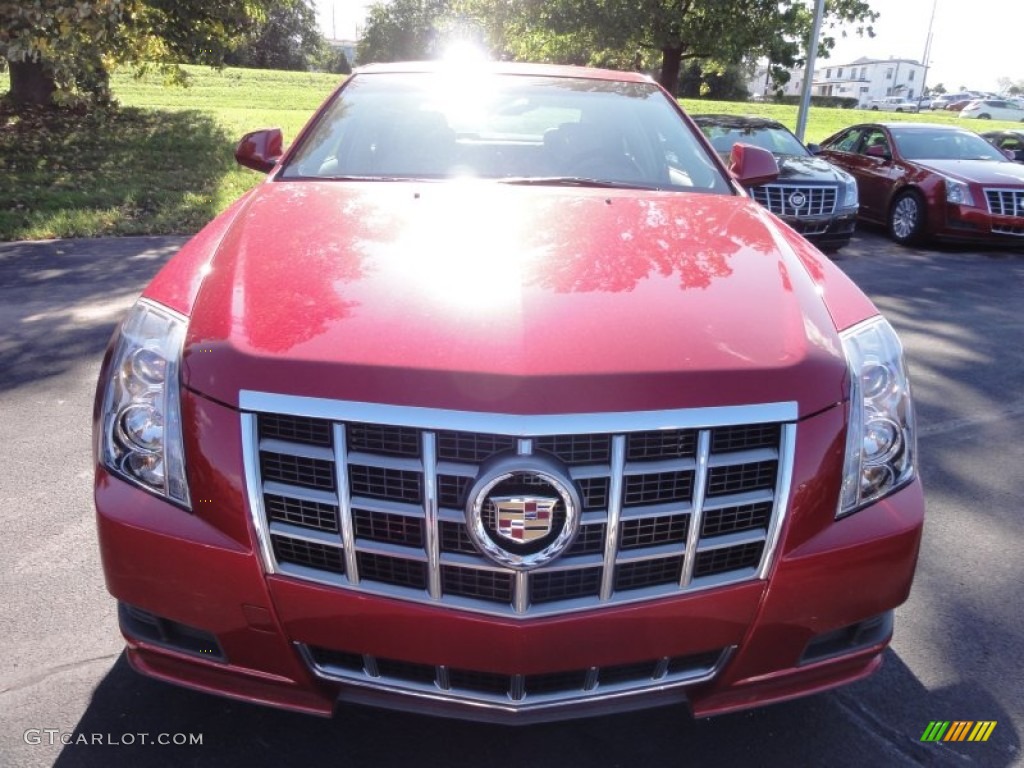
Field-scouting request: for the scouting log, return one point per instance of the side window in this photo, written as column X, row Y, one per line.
column 875, row 144
column 846, row 142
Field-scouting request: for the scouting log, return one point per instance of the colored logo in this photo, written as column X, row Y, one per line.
column 523, row 511
column 797, row 200
column 524, row 518
column 958, row 730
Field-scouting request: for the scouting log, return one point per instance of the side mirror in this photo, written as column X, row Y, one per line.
column 877, row 151
column 1011, row 154
column 752, row 165
column 260, row 150
column 814, row 149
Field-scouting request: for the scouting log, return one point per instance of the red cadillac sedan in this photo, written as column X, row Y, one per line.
column 499, row 398
column 932, row 181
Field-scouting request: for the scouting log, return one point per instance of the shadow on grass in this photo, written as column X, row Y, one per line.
column 77, row 173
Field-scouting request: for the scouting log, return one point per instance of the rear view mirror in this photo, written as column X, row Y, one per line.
column 752, row 165
column 260, row 150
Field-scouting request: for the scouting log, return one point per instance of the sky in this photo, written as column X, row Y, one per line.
column 974, row 42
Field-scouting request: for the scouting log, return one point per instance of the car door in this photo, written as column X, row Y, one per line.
column 866, row 152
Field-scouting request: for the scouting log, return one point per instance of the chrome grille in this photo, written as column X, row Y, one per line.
column 514, row 692
column 380, row 506
column 1006, row 202
column 778, row 198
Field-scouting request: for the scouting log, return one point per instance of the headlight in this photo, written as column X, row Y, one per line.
column 141, row 417
column 880, row 443
column 850, row 199
column 958, row 193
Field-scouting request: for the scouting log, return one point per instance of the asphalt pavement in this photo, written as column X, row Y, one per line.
column 956, row 654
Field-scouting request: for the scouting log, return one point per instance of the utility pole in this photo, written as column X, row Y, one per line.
column 927, row 55
column 812, row 54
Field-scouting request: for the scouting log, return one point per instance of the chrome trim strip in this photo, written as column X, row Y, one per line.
column 611, row 536
column 298, row 492
column 254, row 490
column 524, row 447
column 592, row 691
column 735, row 539
column 521, row 592
column 430, row 514
column 700, row 485
column 348, row 536
column 783, row 485
column 296, row 449
column 516, row 424
column 305, row 534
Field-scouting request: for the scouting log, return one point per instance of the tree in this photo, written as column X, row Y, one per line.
column 403, row 30
column 286, row 38
column 65, row 48
column 723, row 31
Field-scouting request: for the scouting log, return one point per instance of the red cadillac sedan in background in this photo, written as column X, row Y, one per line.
column 932, row 181
column 499, row 398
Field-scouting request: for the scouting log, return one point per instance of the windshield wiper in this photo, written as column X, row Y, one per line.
column 572, row 181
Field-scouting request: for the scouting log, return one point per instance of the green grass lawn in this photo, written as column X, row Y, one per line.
column 163, row 163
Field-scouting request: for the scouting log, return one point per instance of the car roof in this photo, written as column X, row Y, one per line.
column 737, row 121
column 505, row 68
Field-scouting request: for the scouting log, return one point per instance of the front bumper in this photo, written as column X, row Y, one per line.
column 963, row 223
column 818, row 621
column 830, row 231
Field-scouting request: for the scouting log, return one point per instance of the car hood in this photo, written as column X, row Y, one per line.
column 484, row 296
column 809, row 168
column 979, row 171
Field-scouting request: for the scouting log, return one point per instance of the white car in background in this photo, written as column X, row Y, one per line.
column 994, row 109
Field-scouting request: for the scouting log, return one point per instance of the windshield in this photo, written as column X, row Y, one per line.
column 773, row 138
column 514, row 128
column 944, row 145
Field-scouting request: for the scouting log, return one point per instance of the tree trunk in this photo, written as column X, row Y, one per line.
column 31, row 83
column 671, row 62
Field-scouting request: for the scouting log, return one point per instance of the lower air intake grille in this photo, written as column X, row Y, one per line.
column 380, row 505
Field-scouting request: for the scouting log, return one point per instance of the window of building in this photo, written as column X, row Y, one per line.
column 888, row 74
column 828, row 73
column 911, row 75
column 863, row 73
column 839, row 73
column 863, row 89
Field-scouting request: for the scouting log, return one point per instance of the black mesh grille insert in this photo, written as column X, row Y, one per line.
column 341, row 659
column 627, row 673
column 455, row 538
column 547, row 586
column 295, row 429
column 382, row 526
column 406, row 670
column 493, row 586
column 482, row 682
column 452, row 490
column 297, row 470
column 593, row 492
column 308, row 553
column 577, row 449
column 745, row 517
column 648, row 573
column 744, row 437
column 309, row 514
column 392, row 570
column 658, row 488
column 589, row 540
column 661, row 444
column 740, row 478
column 694, row 661
column 384, row 439
column 652, row 531
column 556, row 682
column 392, row 484
column 471, row 447
column 728, row 559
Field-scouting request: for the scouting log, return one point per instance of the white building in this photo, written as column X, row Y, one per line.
column 867, row 79
column 864, row 79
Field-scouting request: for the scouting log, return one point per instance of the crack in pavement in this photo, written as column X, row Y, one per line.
column 43, row 675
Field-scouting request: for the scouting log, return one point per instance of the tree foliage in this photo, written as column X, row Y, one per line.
column 287, row 37
column 66, row 48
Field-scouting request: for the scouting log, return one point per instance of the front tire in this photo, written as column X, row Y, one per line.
column 906, row 218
